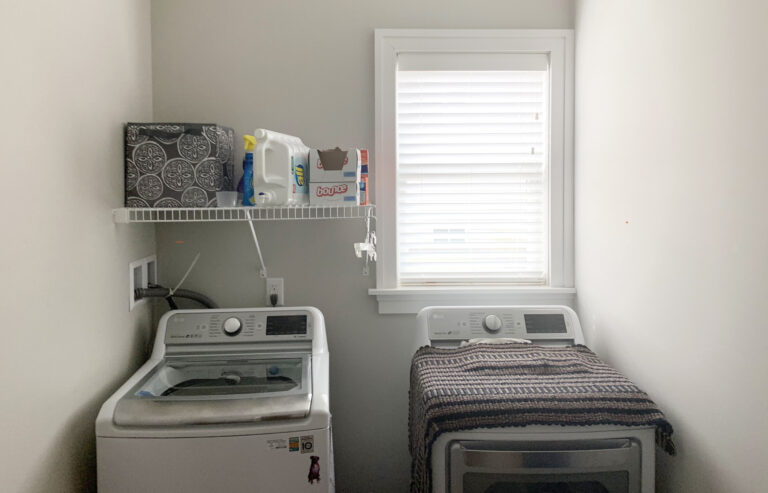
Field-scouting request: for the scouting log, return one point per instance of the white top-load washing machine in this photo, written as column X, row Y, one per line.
column 539, row 458
column 231, row 400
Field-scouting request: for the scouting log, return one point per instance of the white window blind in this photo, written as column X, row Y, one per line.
column 472, row 164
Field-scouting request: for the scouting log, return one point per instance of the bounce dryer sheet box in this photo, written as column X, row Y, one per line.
column 334, row 165
column 340, row 193
column 177, row 164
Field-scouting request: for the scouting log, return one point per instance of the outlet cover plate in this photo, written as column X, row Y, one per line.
column 140, row 273
column 275, row 285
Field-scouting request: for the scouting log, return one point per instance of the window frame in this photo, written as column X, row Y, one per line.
column 558, row 45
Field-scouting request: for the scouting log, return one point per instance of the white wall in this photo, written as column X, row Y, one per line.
column 70, row 73
column 671, row 130
column 306, row 68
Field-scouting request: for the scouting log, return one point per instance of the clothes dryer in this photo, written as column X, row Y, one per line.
column 541, row 457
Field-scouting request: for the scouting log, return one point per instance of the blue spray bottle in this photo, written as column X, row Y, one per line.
column 246, row 182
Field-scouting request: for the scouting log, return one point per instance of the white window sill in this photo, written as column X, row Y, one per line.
column 411, row 300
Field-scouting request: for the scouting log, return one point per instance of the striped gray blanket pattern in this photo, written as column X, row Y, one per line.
column 488, row 386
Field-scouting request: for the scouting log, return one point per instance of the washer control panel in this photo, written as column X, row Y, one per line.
column 246, row 326
column 449, row 325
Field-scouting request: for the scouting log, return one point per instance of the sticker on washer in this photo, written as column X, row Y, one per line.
column 314, row 469
column 278, row 443
column 293, row 444
column 307, row 444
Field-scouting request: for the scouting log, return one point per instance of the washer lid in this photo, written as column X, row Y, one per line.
column 219, row 389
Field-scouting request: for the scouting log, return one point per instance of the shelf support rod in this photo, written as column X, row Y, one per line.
column 263, row 267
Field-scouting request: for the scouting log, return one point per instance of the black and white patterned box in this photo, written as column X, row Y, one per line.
column 177, row 164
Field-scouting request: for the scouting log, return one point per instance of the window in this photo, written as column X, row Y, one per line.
column 473, row 167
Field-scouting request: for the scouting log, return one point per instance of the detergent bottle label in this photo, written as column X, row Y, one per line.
column 299, row 172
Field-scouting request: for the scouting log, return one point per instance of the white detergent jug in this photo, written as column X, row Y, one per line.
column 280, row 169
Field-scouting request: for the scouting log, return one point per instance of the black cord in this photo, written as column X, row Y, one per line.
column 158, row 291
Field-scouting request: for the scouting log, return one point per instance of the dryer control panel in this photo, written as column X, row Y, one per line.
column 238, row 326
column 449, row 326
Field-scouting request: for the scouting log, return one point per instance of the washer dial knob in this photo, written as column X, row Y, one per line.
column 232, row 326
column 492, row 323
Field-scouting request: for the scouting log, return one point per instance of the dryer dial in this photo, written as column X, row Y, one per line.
column 232, row 326
column 492, row 323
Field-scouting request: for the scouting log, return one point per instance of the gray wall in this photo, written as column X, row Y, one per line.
column 670, row 222
column 72, row 72
column 306, row 68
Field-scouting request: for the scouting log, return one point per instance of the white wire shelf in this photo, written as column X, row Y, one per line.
column 221, row 214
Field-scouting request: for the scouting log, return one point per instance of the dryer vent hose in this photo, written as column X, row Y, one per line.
column 158, row 291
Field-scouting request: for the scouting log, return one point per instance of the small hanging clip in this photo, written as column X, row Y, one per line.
column 368, row 246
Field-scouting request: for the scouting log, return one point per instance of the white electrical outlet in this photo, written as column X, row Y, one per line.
column 275, row 287
column 141, row 273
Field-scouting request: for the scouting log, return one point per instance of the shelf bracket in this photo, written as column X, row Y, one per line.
column 262, row 266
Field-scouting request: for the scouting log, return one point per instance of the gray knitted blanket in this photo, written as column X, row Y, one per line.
column 500, row 385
